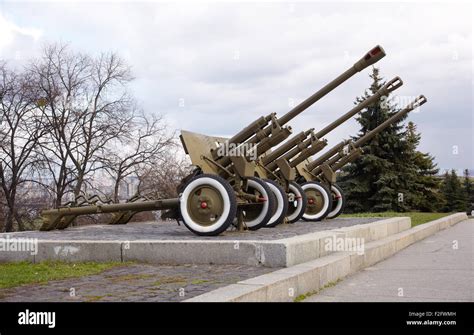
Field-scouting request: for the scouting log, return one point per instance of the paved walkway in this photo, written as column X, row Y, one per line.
column 438, row 268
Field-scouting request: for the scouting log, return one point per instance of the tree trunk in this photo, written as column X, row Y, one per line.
column 19, row 221
column 78, row 186
column 116, row 190
column 59, row 196
column 8, row 222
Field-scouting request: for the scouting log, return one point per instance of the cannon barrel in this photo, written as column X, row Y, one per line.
column 311, row 143
column 245, row 133
column 328, row 156
column 304, row 148
column 269, row 142
column 337, row 160
column 301, row 146
column 420, row 100
column 251, row 129
column 346, row 159
column 370, row 58
column 389, row 87
column 285, row 147
column 308, row 152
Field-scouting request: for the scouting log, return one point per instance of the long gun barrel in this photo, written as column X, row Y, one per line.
column 304, row 150
column 260, row 129
column 327, row 155
column 285, row 147
column 420, row 100
column 307, row 148
column 389, row 87
column 314, row 166
column 352, row 156
column 370, row 58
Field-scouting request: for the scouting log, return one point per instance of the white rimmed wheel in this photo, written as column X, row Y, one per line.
column 257, row 215
column 319, row 201
column 338, row 201
column 281, row 203
column 297, row 202
column 208, row 205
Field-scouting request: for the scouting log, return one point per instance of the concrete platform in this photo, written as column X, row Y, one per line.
column 166, row 243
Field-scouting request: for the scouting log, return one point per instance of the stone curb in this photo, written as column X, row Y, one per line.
column 288, row 283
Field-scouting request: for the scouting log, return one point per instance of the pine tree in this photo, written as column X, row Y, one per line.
column 469, row 191
column 424, row 185
column 453, row 193
column 379, row 180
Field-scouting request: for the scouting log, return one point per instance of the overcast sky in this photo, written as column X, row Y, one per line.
column 215, row 67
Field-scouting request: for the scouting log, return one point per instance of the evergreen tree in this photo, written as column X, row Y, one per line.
column 453, row 193
column 424, row 184
column 379, row 180
column 469, row 191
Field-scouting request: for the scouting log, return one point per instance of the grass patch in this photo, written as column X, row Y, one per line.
column 302, row 297
column 22, row 273
column 170, row 280
column 92, row 298
column 129, row 277
column 200, row 281
column 417, row 218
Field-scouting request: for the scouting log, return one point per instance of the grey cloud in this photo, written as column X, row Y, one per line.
column 284, row 52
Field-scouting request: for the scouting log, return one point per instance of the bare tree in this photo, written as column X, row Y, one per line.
column 86, row 105
column 64, row 118
column 2, row 210
column 146, row 141
column 20, row 133
column 161, row 178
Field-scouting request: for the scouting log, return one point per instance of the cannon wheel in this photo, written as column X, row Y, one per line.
column 208, row 205
column 338, row 201
column 319, row 201
column 296, row 208
column 256, row 217
column 281, row 203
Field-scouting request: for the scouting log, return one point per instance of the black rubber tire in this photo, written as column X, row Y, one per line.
column 281, row 202
column 335, row 212
column 271, row 204
column 327, row 205
column 226, row 192
column 304, row 201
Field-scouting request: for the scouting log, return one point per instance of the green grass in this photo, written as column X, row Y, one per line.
column 302, row 297
column 22, row 273
column 200, row 281
column 170, row 280
column 416, row 217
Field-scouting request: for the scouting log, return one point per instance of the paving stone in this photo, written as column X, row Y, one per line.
column 137, row 282
column 167, row 230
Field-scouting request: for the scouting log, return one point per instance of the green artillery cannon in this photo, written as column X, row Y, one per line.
column 224, row 188
column 210, row 156
column 318, row 177
column 280, row 165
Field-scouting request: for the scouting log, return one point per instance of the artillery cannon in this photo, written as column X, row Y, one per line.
column 318, row 177
column 210, row 156
column 224, row 188
column 280, row 164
